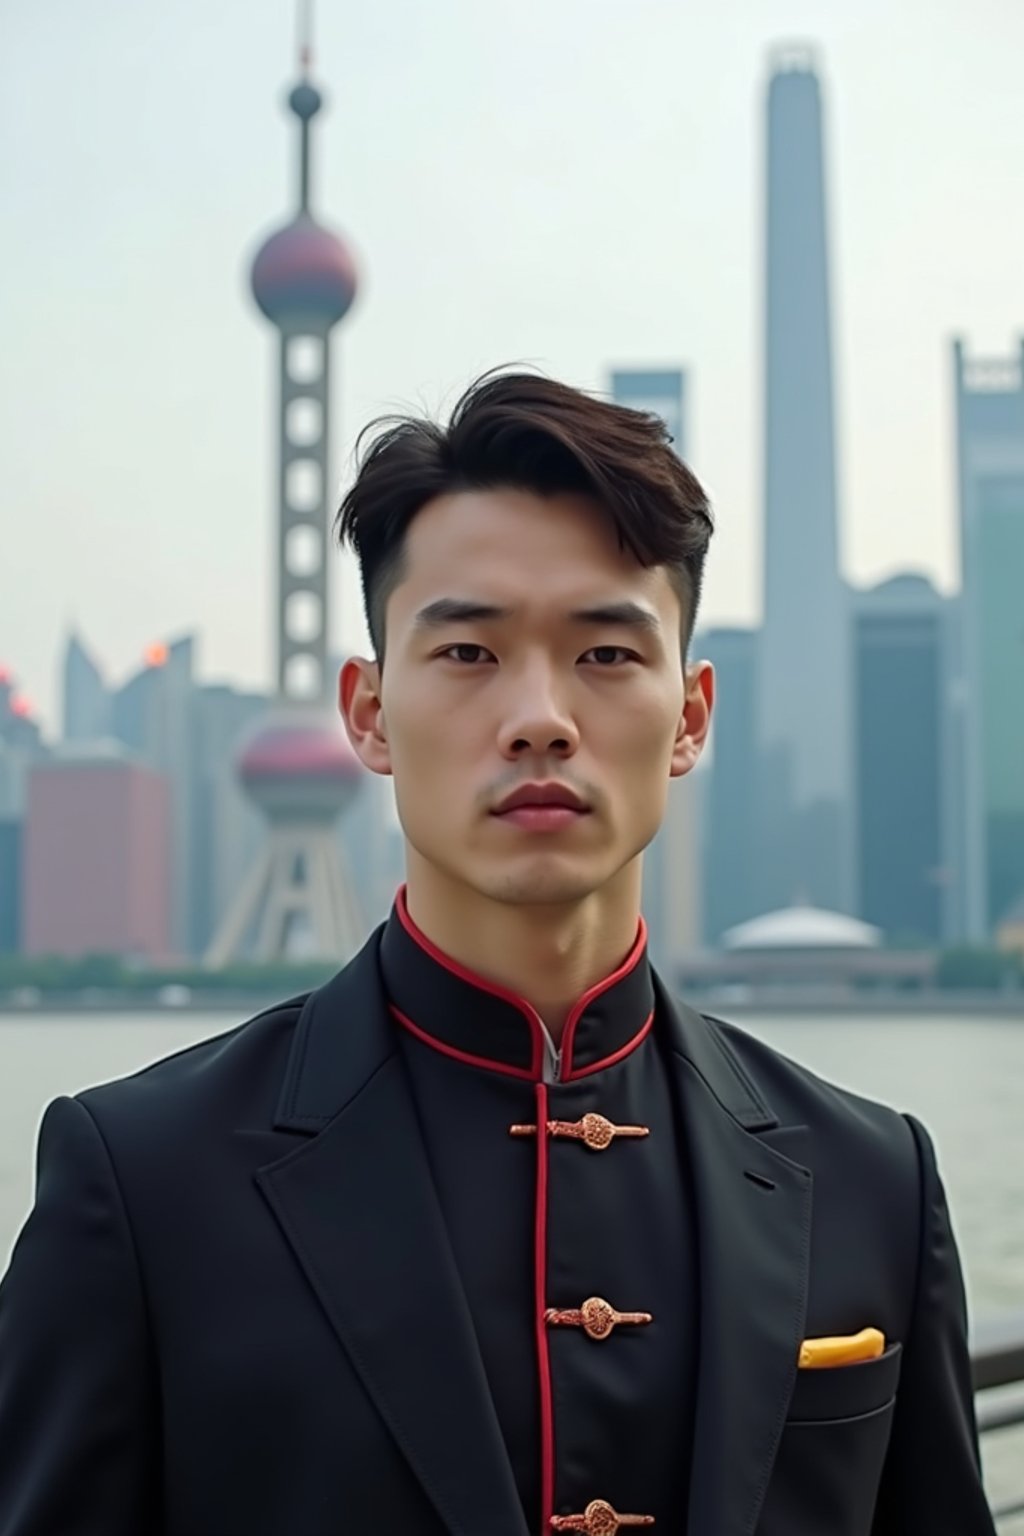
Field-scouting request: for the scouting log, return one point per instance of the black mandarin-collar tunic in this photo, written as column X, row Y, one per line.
column 541, row 1225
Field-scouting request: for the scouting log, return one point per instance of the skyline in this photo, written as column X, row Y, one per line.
column 112, row 367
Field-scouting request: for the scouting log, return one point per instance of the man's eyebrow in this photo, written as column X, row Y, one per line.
column 459, row 610
column 629, row 614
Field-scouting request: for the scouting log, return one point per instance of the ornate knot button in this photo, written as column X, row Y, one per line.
column 596, row 1317
column 594, row 1131
column 598, row 1519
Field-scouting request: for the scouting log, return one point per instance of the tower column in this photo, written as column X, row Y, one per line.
column 303, row 612
column 299, row 768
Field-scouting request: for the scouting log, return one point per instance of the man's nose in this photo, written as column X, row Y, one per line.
column 537, row 717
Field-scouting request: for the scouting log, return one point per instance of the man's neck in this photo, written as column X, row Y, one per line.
column 548, row 955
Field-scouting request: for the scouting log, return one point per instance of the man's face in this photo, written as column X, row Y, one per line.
column 569, row 672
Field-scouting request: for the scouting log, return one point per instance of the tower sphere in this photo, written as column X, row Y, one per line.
column 304, row 276
column 305, row 100
column 303, row 749
column 300, row 763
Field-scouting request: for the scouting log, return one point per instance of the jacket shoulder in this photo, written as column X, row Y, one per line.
column 238, row 1070
column 798, row 1095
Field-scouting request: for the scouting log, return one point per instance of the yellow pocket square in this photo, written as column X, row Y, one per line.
column 851, row 1349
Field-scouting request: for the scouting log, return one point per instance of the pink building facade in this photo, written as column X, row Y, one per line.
column 96, row 864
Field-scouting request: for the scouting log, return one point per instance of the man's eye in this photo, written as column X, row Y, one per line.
column 608, row 655
column 465, row 653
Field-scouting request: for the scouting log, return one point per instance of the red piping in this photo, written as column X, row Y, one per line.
column 529, row 1013
column 536, row 1068
column 540, row 1262
column 578, row 1008
column 609, row 1061
column 527, row 1073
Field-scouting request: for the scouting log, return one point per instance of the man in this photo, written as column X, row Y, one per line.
column 489, row 1236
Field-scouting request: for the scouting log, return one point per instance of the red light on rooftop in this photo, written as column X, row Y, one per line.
column 20, row 706
column 156, row 655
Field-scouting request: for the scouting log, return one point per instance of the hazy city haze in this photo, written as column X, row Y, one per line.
column 573, row 184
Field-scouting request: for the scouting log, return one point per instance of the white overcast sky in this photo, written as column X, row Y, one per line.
column 572, row 183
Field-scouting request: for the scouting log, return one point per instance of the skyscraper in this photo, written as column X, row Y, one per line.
column 97, row 822
column 21, row 748
column 229, row 833
column 990, row 443
column 153, row 714
column 957, row 859
column 190, row 734
column 804, row 681
column 14, row 767
column 900, row 692
column 662, row 391
column 671, row 863
column 86, row 698
column 11, row 834
column 19, row 729
column 731, row 881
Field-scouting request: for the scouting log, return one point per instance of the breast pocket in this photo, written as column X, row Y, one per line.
column 833, row 1446
column 846, row 1391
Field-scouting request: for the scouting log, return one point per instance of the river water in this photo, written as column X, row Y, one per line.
column 964, row 1077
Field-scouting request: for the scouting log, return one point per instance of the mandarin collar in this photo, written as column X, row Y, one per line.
column 485, row 1025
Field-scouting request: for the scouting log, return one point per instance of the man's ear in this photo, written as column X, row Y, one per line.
column 695, row 719
column 359, row 703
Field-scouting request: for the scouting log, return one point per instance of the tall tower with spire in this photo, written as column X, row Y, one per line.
column 804, row 684
column 299, row 767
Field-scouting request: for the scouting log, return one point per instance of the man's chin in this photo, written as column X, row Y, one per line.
column 547, row 883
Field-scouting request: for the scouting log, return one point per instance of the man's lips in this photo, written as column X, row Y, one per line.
column 536, row 796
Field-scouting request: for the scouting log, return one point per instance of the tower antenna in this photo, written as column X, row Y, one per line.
column 305, row 31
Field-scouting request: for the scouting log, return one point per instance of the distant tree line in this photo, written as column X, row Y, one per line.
column 980, row 970
column 111, row 973
column 964, row 969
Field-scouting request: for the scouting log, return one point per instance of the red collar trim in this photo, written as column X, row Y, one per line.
column 579, row 1008
column 535, row 1071
column 492, row 988
column 526, row 1073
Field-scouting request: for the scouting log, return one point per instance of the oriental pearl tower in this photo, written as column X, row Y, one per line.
column 298, row 767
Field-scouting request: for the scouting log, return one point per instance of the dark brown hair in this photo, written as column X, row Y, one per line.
column 528, row 432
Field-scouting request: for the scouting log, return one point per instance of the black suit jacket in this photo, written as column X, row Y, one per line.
column 234, row 1311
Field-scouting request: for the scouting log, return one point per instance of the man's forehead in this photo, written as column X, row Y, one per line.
column 470, row 528
column 525, row 555
column 474, row 523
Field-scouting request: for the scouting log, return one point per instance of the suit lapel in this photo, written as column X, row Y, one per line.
column 358, row 1206
column 753, row 1240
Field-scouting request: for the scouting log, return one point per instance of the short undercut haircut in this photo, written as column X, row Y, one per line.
column 526, row 432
